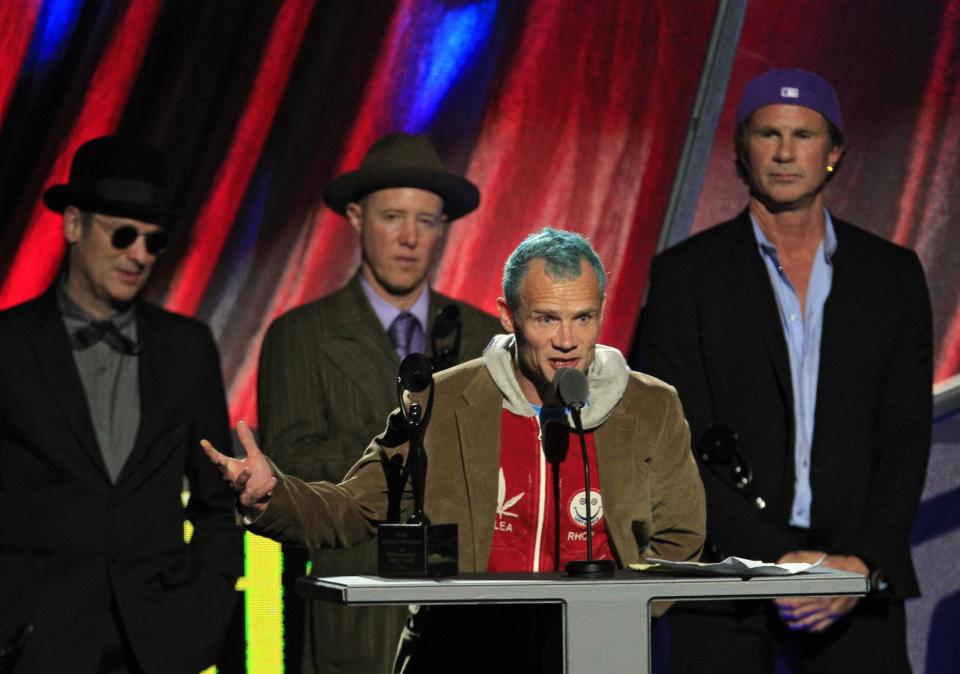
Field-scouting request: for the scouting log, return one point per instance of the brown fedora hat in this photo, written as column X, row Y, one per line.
column 116, row 176
column 403, row 160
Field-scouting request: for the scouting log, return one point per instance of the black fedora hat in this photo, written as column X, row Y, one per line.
column 119, row 176
column 403, row 160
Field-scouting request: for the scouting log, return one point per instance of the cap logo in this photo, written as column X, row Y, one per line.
column 792, row 86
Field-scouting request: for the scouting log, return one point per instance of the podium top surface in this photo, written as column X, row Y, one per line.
column 628, row 586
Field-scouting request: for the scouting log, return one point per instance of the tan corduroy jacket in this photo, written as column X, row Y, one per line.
column 650, row 484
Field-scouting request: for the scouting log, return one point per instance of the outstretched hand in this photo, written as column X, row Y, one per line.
column 815, row 614
column 252, row 478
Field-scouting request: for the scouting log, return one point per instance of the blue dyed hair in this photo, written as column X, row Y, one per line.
column 561, row 252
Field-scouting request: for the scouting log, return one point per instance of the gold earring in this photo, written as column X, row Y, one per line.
column 829, row 168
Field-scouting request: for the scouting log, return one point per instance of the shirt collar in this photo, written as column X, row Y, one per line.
column 829, row 241
column 387, row 312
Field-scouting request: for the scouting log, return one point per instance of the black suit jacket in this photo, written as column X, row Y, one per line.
column 711, row 328
column 70, row 540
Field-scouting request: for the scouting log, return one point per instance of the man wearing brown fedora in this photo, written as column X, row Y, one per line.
column 103, row 399
column 327, row 368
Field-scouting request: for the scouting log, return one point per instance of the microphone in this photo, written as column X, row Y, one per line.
column 447, row 320
column 416, row 373
column 571, row 387
column 720, row 446
column 446, row 326
column 555, row 439
column 573, row 390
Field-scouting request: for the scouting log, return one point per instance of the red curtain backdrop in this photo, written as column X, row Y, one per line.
column 16, row 27
column 39, row 252
column 567, row 114
column 212, row 224
column 896, row 68
column 582, row 133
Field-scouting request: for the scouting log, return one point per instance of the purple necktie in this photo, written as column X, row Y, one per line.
column 401, row 332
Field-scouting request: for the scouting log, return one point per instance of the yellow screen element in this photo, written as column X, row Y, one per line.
column 264, row 604
column 263, row 565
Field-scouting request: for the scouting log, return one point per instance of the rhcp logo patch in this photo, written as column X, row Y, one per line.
column 577, row 507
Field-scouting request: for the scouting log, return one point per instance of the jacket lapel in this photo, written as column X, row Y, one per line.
column 480, row 448
column 613, row 438
column 755, row 287
column 154, row 362
column 55, row 355
column 435, row 305
column 844, row 307
column 361, row 346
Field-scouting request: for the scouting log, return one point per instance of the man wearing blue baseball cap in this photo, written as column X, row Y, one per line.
column 801, row 349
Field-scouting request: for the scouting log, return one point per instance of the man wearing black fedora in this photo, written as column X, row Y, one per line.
column 327, row 369
column 103, row 399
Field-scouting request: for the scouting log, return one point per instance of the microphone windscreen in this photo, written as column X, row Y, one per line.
column 571, row 386
column 555, row 437
column 416, row 373
column 446, row 321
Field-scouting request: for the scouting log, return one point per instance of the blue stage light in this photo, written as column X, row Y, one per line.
column 454, row 43
column 55, row 25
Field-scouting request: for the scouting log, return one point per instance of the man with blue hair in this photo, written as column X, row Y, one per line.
column 802, row 344
column 489, row 471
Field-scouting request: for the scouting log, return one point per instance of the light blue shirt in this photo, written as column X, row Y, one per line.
column 386, row 313
column 802, row 332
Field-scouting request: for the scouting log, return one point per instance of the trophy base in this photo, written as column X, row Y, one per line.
column 416, row 550
column 598, row 568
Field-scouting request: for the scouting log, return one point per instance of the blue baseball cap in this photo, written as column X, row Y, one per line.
column 790, row 86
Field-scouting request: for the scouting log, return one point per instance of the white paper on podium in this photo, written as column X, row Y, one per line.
column 731, row 566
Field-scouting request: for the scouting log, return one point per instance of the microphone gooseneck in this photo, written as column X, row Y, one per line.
column 573, row 390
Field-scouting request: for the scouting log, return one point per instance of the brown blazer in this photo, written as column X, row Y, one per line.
column 646, row 471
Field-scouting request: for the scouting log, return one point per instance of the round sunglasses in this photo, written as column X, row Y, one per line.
column 122, row 237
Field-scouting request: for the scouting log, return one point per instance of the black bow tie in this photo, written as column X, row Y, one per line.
column 107, row 332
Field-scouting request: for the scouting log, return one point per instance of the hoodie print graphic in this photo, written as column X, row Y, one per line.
column 540, row 521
